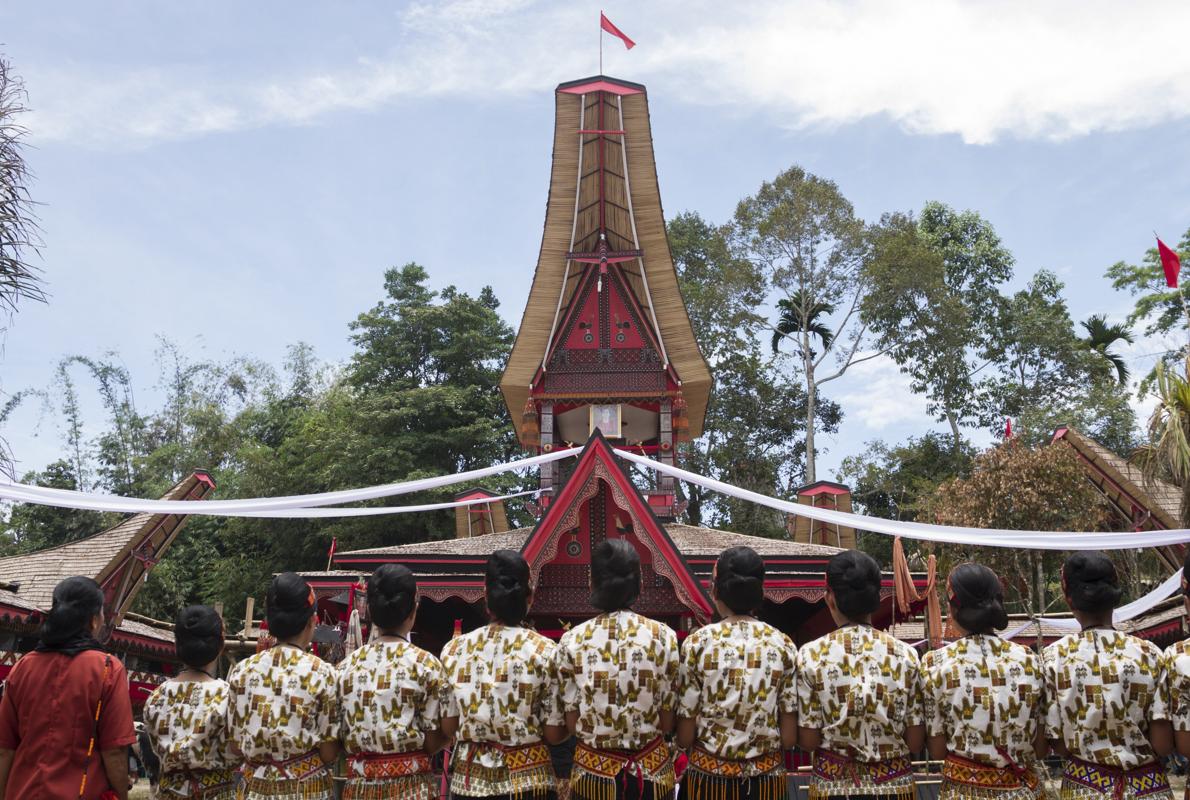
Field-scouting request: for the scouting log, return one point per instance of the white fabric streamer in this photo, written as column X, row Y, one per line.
column 982, row 537
column 66, row 498
column 330, row 513
column 1122, row 614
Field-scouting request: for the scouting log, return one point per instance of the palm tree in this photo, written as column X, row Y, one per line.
column 1167, row 454
column 790, row 319
column 1101, row 336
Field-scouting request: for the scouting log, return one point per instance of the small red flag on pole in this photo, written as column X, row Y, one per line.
column 331, row 553
column 1170, row 263
column 1008, row 428
column 606, row 24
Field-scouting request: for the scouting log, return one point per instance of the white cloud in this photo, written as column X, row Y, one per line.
column 877, row 394
column 981, row 70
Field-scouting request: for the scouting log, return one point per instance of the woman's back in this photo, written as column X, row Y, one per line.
column 283, row 706
column 501, row 684
column 736, row 677
column 390, row 694
column 619, row 671
column 861, row 688
column 186, row 722
column 985, row 695
column 1104, row 687
column 47, row 715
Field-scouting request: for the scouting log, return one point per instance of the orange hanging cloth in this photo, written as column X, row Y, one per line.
column 907, row 594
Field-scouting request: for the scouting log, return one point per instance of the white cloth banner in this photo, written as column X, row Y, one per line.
column 950, row 534
column 330, row 513
column 65, row 498
column 1122, row 614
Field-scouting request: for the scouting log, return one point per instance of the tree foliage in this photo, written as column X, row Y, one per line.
column 754, row 433
column 1160, row 308
column 934, row 304
column 1018, row 487
column 419, row 397
column 804, row 238
column 19, row 235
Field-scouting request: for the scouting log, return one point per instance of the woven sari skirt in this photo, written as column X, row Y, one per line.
column 524, row 772
column 835, row 775
column 964, row 779
column 709, row 777
column 619, row 774
column 200, row 784
column 301, row 778
column 391, row 776
column 1083, row 780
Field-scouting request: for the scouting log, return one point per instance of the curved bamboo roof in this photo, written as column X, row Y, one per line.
column 571, row 220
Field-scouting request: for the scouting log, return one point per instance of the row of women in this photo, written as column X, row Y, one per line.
column 734, row 697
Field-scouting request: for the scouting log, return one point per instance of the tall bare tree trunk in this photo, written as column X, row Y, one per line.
column 811, row 407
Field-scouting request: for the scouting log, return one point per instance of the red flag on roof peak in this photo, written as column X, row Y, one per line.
column 606, row 24
column 1170, row 263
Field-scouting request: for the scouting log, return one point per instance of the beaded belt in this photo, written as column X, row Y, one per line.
column 596, row 771
column 299, row 777
column 1141, row 781
column 711, row 764
column 984, row 776
column 837, row 774
column 377, row 766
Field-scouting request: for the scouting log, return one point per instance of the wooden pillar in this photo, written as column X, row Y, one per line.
column 666, row 456
column 549, row 472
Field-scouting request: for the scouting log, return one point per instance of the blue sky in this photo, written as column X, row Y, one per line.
column 236, row 177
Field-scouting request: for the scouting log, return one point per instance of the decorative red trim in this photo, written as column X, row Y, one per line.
column 600, row 83
column 823, row 487
column 598, row 461
column 602, row 133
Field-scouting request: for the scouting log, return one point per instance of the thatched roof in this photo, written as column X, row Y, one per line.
column 690, row 540
column 560, row 224
column 101, row 555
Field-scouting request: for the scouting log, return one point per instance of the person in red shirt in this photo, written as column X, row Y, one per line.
column 66, row 717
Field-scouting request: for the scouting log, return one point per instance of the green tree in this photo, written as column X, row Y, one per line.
column 19, row 236
column 1166, row 454
column 1162, row 310
column 753, row 435
column 1046, row 375
column 933, row 303
column 1101, row 337
column 1018, row 487
column 35, row 527
column 898, row 482
column 805, row 239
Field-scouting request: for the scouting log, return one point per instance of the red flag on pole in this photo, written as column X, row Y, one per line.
column 1008, row 428
column 331, row 553
column 1170, row 263
column 607, row 25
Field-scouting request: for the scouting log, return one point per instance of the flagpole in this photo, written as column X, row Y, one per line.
column 600, row 41
column 1185, row 307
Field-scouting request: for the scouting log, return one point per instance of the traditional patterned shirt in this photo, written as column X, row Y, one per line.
column 390, row 696
column 501, row 686
column 618, row 671
column 736, row 678
column 986, row 696
column 1103, row 688
column 1177, row 671
column 284, row 705
column 187, row 725
column 860, row 688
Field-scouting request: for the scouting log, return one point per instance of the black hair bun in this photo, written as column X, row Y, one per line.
column 854, row 579
column 1092, row 582
column 977, row 599
column 739, row 579
column 615, row 575
column 507, row 582
column 392, row 595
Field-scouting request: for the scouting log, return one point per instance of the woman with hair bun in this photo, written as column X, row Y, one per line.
column 618, row 675
column 984, row 699
column 284, row 711
column 738, row 698
column 1177, row 665
column 1108, row 701
column 859, row 693
column 66, row 717
column 501, row 693
column 390, row 693
column 186, row 717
